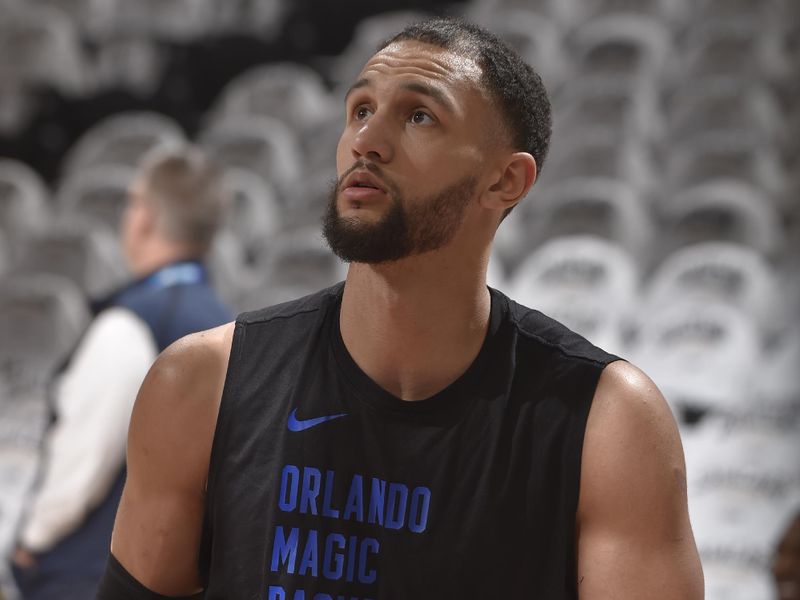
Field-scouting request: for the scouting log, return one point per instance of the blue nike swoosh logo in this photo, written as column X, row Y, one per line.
column 296, row 424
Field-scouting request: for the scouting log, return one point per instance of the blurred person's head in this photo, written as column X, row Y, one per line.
column 449, row 127
column 786, row 567
column 175, row 206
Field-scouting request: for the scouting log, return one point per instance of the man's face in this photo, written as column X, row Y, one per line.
column 410, row 156
column 134, row 225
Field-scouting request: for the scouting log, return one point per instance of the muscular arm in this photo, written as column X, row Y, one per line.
column 159, row 522
column 634, row 537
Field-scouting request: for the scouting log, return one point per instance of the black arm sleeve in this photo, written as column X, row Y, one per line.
column 118, row 584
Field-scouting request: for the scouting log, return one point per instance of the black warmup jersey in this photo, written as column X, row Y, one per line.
column 323, row 486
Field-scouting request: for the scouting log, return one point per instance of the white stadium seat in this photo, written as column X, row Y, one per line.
column 590, row 284
column 602, row 207
column 701, row 355
column 265, row 146
column 292, row 93
column 123, row 139
column 100, row 193
column 720, row 272
column 292, row 265
column 79, row 248
column 24, row 199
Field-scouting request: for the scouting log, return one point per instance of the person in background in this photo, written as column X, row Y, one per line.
column 174, row 209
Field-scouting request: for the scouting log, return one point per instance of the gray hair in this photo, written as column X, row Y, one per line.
column 186, row 190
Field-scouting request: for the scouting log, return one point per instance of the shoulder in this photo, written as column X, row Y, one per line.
column 631, row 447
column 628, row 402
column 175, row 413
column 193, row 361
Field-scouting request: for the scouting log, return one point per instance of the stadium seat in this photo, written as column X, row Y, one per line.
column 370, row 32
column 736, row 535
column 738, row 45
column 253, row 212
column 663, row 10
column 39, row 46
column 265, row 18
column 123, row 139
column 170, row 20
column 100, row 193
column 307, row 206
column 635, row 45
column 41, row 319
column 17, row 108
column 742, row 495
column 292, row 93
column 746, row 455
column 134, row 64
column 703, row 356
column 229, row 267
column 18, row 468
column 320, row 144
column 778, row 387
column 482, row 11
column 754, row 9
column 535, row 38
column 588, row 283
column 601, row 152
column 724, row 104
column 264, row 146
column 738, row 582
column 92, row 18
column 724, row 273
column 24, row 199
column 725, row 155
column 83, row 250
column 722, row 210
column 616, row 101
column 602, row 207
column 292, row 265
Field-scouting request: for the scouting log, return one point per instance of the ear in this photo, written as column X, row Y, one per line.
column 515, row 179
column 149, row 218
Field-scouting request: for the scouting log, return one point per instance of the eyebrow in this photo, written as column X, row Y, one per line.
column 420, row 88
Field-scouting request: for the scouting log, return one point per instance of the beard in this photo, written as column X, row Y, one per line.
column 406, row 229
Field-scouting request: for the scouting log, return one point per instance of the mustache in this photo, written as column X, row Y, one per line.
column 366, row 166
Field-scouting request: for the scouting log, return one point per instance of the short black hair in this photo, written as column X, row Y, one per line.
column 512, row 82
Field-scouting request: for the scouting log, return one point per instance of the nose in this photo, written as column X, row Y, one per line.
column 372, row 140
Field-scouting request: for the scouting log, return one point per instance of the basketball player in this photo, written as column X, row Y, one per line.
column 410, row 433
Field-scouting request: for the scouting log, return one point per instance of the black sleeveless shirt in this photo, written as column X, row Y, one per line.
column 323, row 486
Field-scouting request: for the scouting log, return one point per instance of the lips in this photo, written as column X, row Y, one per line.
column 362, row 180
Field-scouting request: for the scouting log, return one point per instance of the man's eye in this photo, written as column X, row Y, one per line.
column 361, row 113
column 420, row 117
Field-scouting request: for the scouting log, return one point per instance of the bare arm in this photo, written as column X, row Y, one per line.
column 634, row 537
column 159, row 522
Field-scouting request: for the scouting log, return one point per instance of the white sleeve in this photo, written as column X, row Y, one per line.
column 85, row 448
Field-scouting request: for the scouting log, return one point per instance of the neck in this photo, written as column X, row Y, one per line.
column 414, row 326
column 155, row 257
